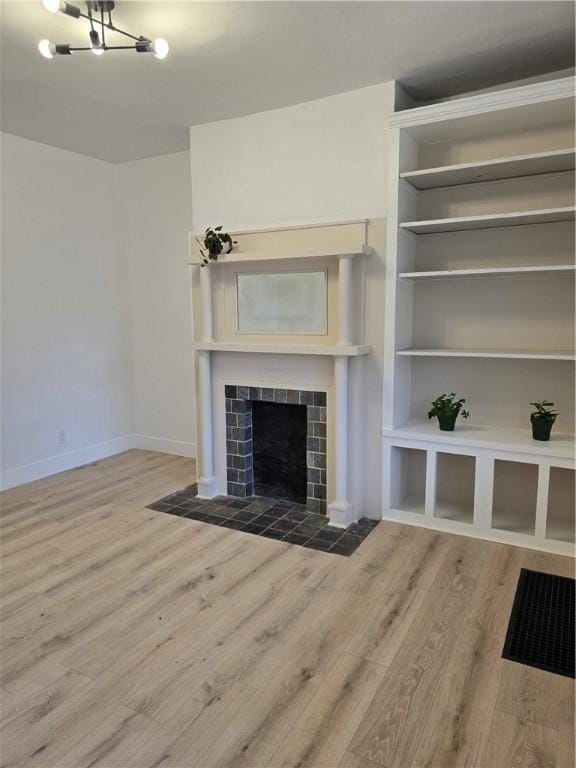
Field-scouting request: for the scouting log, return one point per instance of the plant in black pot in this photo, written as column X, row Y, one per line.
column 542, row 418
column 214, row 243
column 446, row 408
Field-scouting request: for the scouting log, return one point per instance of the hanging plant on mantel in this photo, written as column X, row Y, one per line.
column 214, row 243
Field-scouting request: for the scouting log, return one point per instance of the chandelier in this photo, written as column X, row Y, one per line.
column 99, row 15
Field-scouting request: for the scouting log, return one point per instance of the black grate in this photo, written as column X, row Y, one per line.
column 541, row 629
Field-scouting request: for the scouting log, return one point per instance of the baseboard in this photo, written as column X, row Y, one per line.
column 27, row 473
column 164, row 445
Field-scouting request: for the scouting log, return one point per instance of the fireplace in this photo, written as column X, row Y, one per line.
column 279, row 450
column 276, row 444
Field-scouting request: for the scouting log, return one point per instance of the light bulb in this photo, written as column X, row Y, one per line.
column 47, row 49
column 160, row 48
column 98, row 51
column 53, row 5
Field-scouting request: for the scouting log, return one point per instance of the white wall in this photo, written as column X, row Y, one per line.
column 157, row 204
column 324, row 159
column 320, row 161
column 65, row 363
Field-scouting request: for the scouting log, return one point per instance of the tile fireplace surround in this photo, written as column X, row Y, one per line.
column 239, row 443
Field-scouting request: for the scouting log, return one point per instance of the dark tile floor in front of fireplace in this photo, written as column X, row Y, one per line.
column 274, row 519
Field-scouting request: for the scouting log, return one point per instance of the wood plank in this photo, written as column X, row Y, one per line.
column 326, row 726
column 136, row 638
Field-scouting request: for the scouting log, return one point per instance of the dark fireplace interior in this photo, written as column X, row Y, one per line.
column 279, row 438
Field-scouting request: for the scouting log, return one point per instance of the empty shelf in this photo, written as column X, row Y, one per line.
column 510, row 354
column 486, row 272
column 489, row 221
column 492, row 170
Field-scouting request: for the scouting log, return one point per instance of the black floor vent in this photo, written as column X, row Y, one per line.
column 541, row 629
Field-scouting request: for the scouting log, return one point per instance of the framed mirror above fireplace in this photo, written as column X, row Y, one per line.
column 288, row 302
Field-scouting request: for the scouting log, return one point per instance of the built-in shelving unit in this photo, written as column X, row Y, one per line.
column 482, row 188
column 492, row 170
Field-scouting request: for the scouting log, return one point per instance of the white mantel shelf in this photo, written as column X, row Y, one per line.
column 336, row 350
column 254, row 257
column 336, row 240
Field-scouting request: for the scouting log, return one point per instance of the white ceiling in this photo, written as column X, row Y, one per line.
column 229, row 59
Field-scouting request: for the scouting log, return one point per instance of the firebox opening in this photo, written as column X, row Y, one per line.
column 279, row 439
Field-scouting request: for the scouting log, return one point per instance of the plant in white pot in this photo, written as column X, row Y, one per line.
column 214, row 243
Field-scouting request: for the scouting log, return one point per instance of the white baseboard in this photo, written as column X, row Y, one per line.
column 164, row 445
column 27, row 473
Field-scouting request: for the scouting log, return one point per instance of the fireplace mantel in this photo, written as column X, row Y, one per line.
column 341, row 350
column 342, row 241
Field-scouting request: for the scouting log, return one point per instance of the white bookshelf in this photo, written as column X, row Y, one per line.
column 481, row 189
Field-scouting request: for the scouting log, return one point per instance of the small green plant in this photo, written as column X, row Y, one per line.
column 542, row 418
column 543, row 410
column 214, row 243
column 447, row 408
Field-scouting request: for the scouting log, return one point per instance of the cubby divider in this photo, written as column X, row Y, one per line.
column 561, row 516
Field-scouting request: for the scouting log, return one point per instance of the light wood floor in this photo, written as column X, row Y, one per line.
column 136, row 638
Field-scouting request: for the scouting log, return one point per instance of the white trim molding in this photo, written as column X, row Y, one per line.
column 164, row 445
column 53, row 465
column 27, row 473
column 551, row 90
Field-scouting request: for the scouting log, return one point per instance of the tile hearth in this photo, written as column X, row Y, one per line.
column 271, row 518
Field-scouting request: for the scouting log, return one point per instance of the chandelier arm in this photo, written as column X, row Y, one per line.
column 90, row 18
column 108, row 48
column 114, row 29
column 103, row 26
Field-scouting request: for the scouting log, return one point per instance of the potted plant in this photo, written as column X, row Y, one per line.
column 446, row 408
column 542, row 418
column 214, row 243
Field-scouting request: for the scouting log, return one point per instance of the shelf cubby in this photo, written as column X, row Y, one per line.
column 561, row 516
column 408, row 492
column 455, row 480
column 514, row 498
